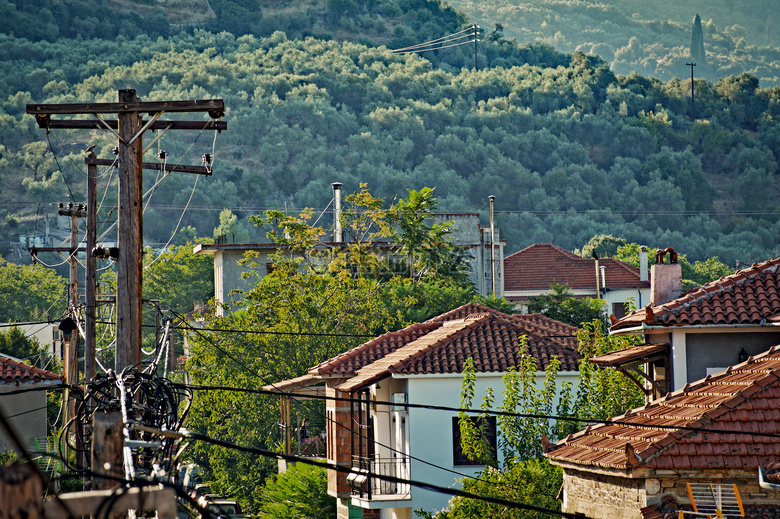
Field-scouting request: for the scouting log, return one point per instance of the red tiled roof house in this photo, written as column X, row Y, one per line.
column 531, row 272
column 705, row 330
column 717, row 430
column 26, row 411
column 420, row 364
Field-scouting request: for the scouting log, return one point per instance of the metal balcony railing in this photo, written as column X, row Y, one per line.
column 365, row 483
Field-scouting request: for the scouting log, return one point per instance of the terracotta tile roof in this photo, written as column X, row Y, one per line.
column 539, row 266
column 630, row 354
column 733, row 403
column 349, row 362
column 13, row 372
column 750, row 296
column 442, row 344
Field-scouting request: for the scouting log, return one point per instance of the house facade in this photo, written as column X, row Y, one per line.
column 374, row 432
column 705, row 330
column 531, row 272
column 714, row 434
column 26, row 411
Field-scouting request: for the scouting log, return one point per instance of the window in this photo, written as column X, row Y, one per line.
column 619, row 310
column 487, row 425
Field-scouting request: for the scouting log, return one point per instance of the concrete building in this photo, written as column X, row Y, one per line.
column 230, row 273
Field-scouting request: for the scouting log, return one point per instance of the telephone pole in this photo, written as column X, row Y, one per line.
column 130, row 128
column 693, row 113
column 476, row 36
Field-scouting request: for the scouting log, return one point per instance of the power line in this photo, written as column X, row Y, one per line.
column 342, row 469
column 433, row 407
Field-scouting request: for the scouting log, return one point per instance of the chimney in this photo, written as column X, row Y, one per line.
column 666, row 278
column 337, row 237
column 643, row 263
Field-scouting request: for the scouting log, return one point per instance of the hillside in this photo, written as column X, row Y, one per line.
column 569, row 148
column 650, row 37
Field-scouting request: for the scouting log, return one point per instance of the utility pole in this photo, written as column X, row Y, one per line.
column 90, row 278
column 476, row 35
column 693, row 113
column 492, row 243
column 72, row 339
column 130, row 129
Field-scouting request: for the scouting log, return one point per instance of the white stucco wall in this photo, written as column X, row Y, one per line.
column 26, row 413
column 430, row 431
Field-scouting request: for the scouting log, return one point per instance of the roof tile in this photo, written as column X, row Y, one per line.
column 749, row 296
column 539, row 266
column 14, row 371
column 735, row 404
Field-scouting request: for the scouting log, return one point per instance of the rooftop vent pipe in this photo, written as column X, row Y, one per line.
column 337, row 234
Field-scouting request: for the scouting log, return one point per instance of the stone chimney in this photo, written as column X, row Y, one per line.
column 643, row 263
column 666, row 283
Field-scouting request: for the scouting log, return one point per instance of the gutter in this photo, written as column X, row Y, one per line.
column 645, row 327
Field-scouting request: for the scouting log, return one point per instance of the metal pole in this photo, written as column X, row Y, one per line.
column 492, row 243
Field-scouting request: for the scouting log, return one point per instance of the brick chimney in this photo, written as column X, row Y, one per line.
column 666, row 278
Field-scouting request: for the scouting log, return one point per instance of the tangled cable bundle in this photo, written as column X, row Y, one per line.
column 143, row 399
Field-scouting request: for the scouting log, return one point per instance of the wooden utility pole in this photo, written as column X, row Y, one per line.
column 476, row 35
column 90, row 278
column 130, row 129
column 130, row 237
column 693, row 112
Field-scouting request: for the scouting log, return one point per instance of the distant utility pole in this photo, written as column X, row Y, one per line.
column 129, row 129
column 693, row 113
column 476, row 39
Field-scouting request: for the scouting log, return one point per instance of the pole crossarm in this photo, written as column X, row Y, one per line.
column 179, row 168
column 215, row 107
column 86, row 124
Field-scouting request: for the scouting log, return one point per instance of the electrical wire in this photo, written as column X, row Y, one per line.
column 445, row 39
column 65, row 178
column 347, row 470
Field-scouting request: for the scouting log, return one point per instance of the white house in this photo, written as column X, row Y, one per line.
column 376, row 433
column 26, row 411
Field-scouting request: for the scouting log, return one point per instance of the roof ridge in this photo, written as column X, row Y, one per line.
column 357, row 350
column 409, row 351
column 722, row 284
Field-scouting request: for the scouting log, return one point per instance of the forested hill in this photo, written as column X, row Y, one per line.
column 652, row 37
column 569, row 149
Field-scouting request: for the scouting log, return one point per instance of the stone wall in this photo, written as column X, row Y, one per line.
column 602, row 496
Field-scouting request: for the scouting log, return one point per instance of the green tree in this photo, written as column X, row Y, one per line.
column 231, row 228
column 30, row 292
column 604, row 245
column 535, row 482
column 561, row 305
column 298, row 493
column 290, row 321
column 178, row 278
column 15, row 343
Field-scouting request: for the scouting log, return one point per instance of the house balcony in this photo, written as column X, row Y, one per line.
column 370, row 490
